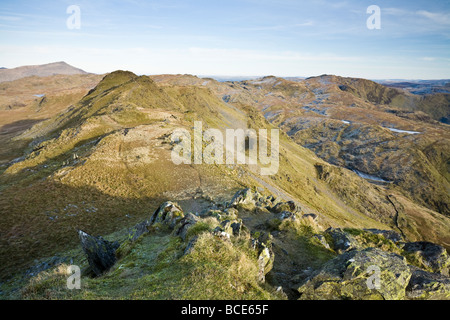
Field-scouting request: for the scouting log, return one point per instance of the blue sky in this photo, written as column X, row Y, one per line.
column 236, row 38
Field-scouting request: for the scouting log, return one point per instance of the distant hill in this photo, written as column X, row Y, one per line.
column 43, row 70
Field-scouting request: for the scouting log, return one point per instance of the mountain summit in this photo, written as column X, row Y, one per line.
column 42, row 70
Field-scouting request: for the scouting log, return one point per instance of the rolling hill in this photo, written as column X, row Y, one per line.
column 348, row 187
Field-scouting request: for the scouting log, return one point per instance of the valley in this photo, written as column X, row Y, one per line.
column 93, row 153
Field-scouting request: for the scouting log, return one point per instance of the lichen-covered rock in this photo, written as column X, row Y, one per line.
column 168, row 213
column 341, row 241
column 231, row 213
column 321, row 239
column 139, row 230
column 265, row 261
column 101, row 254
column 428, row 286
column 232, row 227
column 190, row 245
column 246, row 197
column 388, row 234
column 431, row 256
column 311, row 216
column 287, row 215
column 185, row 224
column 218, row 232
column 359, row 275
column 290, row 206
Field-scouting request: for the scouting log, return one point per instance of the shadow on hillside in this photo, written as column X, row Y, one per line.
column 19, row 126
column 39, row 217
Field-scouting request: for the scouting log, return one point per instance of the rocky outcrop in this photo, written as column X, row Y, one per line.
column 427, row 285
column 360, row 264
column 387, row 234
column 359, row 275
column 265, row 261
column 185, row 224
column 290, row 206
column 168, row 213
column 341, row 241
column 246, row 197
column 101, row 254
column 433, row 257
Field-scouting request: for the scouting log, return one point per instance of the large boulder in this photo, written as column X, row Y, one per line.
column 426, row 285
column 341, row 241
column 232, row 227
column 265, row 261
column 387, row 234
column 139, row 230
column 185, row 224
column 290, row 206
column 430, row 256
column 359, row 275
column 168, row 213
column 101, row 254
column 246, row 198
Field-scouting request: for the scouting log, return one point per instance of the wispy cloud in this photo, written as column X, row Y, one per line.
column 438, row 18
column 242, row 54
column 307, row 23
column 10, row 18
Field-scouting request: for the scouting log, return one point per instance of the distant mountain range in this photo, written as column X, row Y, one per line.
column 419, row 86
column 38, row 70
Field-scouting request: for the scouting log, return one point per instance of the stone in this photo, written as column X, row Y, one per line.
column 425, row 285
column 265, row 262
column 244, row 197
column 433, row 257
column 287, row 215
column 236, row 227
column 168, row 213
column 341, row 240
column 290, row 206
column 218, row 232
column 185, row 224
column 139, row 230
column 190, row 245
column 101, row 254
column 388, row 234
column 311, row 216
column 321, row 239
column 368, row 274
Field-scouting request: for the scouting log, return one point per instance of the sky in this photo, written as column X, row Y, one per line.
column 232, row 38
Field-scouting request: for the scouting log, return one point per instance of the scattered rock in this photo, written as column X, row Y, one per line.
column 139, row 230
column 312, row 217
column 433, row 257
column 45, row 265
column 322, row 241
column 190, row 245
column 287, row 215
column 218, row 232
column 185, row 224
column 341, row 240
column 428, row 285
column 290, row 206
column 100, row 253
column 168, row 213
column 245, row 197
column 388, row 234
column 353, row 275
column 265, row 262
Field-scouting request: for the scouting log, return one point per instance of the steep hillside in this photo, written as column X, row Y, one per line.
column 361, row 125
column 30, row 100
